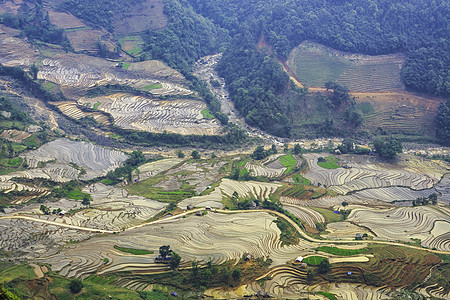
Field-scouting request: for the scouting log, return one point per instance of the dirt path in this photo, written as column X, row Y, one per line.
column 37, row 271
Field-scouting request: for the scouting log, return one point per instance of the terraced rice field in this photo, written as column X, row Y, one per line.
column 13, row 135
column 399, row 112
column 71, row 110
column 366, row 172
column 309, row 216
column 142, row 113
column 344, row 231
column 221, row 237
column 251, row 189
column 112, row 209
column 77, row 72
column 429, row 225
column 261, row 170
column 35, row 239
column 314, row 65
column 156, row 167
column 290, row 283
column 15, row 51
column 96, row 161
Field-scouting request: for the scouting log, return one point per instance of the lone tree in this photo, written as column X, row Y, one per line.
column 324, row 266
column 387, row 147
column 175, row 262
column 75, row 286
column 34, row 70
column 195, row 154
column 164, row 251
column 86, row 200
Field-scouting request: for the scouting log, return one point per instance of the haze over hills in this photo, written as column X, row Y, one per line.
column 158, row 149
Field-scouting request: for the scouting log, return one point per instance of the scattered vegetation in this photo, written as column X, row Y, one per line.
column 133, row 251
column 341, row 252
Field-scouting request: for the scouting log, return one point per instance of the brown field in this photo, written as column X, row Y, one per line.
column 15, row 51
column 86, row 39
column 64, row 20
column 10, row 7
column 146, row 15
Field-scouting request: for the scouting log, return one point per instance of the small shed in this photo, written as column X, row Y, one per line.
column 359, row 236
column 299, row 259
column 190, row 207
column 62, row 213
column 208, row 207
column 199, row 213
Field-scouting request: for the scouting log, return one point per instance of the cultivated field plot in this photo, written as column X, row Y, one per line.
column 142, row 113
column 314, row 65
column 156, row 167
column 65, row 20
column 174, row 180
column 399, row 112
column 344, row 231
column 70, row 109
column 290, row 283
column 112, row 209
column 221, row 237
column 15, row 51
column 30, row 239
column 367, row 172
column 13, row 135
column 308, row 215
column 148, row 14
column 427, row 224
column 96, row 161
column 244, row 189
column 76, row 72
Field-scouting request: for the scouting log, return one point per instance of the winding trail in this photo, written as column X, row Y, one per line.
column 299, row 230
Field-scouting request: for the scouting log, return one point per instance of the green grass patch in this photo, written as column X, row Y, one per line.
column 328, row 295
column 23, row 272
column 315, row 67
column 329, row 163
column 341, row 252
column 288, row 161
column 11, row 162
column 314, row 260
column 366, row 108
column 96, row 105
column 288, row 236
column 301, row 180
column 152, row 87
column 207, row 114
column 329, row 215
column 77, row 29
column 91, row 290
column 133, row 251
column 49, row 86
column 76, row 194
column 147, row 189
column 126, row 65
column 156, row 295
